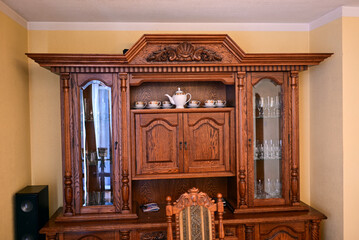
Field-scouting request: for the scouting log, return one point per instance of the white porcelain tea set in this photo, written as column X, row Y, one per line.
column 179, row 99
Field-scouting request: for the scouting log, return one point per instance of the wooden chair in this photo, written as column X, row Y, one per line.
column 194, row 212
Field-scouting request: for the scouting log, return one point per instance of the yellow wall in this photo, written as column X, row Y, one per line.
column 45, row 99
column 326, row 131
column 14, row 119
column 350, row 126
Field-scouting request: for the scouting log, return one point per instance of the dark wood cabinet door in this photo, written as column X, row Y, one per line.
column 280, row 231
column 158, row 137
column 207, row 142
column 92, row 236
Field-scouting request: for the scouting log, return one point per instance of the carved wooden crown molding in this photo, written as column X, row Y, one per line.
column 184, row 52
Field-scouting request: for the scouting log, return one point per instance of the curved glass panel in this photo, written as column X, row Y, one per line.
column 96, row 139
column 267, row 151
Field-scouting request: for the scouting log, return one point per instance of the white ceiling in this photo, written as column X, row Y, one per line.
column 172, row 11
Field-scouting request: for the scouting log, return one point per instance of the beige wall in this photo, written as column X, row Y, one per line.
column 334, row 102
column 14, row 119
column 326, row 132
column 350, row 126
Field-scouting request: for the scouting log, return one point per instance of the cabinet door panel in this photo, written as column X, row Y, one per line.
column 290, row 231
column 268, row 160
column 90, row 236
column 157, row 141
column 206, row 142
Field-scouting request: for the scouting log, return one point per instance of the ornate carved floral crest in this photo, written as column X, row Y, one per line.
column 194, row 197
column 184, row 52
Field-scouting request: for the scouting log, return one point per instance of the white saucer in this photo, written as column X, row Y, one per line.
column 167, row 107
column 139, row 107
column 192, row 106
column 221, row 106
column 157, row 107
column 209, row 106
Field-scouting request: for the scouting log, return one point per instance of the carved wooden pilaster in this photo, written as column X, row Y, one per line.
column 123, row 80
column 125, row 235
column 241, row 133
column 66, row 111
column 124, row 143
column 249, row 232
column 314, row 228
column 125, row 191
column 295, row 138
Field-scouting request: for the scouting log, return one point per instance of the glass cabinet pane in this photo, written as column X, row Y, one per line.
column 96, row 139
column 267, row 151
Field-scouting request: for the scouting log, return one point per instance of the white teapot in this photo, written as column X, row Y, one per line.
column 179, row 98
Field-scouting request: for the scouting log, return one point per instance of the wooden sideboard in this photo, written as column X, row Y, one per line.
column 152, row 226
column 117, row 157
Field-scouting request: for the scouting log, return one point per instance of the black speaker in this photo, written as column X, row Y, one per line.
column 31, row 212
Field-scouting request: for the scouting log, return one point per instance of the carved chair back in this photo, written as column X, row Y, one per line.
column 194, row 214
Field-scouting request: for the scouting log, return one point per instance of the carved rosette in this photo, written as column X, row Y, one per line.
column 184, row 52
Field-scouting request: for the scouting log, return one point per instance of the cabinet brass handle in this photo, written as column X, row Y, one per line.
column 185, row 145
column 180, row 146
column 249, row 142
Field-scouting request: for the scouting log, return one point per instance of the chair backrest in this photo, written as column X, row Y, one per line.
column 194, row 214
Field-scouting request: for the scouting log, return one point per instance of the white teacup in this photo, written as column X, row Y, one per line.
column 221, row 103
column 154, row 104
column 166, row 104
column 210, row 103
column 140, row 104
column 194, row 103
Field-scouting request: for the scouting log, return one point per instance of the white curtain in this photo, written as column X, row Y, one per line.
column 101, row 103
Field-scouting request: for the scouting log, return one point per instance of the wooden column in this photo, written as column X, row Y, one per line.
column 314, row 228
column 242, row 137
column 124, row 143
column 249, row 232
column 294, row 138
column 66, row 141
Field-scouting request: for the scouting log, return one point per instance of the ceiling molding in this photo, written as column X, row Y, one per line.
column 12, row 14
column 157, row 26
column 350, row 11
column 333, row 15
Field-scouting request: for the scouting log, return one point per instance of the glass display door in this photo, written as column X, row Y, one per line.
column 96, row 141
column 267, row 139
column 267, row 158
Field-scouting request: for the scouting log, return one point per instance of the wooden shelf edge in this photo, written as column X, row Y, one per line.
column 95, row 217
column 298, row 208
column 180, row 110
column 181, row 176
